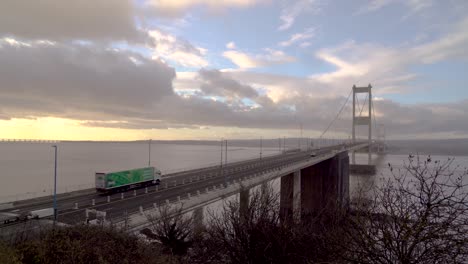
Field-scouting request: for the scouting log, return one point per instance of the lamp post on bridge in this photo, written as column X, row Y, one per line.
column 149, row 153
column 55, row 184
column 261, row 139
column 222, row 141
column 284, row 144
column 279, row 145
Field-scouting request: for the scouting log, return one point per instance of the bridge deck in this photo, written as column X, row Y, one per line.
column 184, row 183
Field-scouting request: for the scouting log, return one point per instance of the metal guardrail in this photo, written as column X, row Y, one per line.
column 204, row 197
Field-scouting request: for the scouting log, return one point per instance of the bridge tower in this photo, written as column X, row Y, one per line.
column 362, row 120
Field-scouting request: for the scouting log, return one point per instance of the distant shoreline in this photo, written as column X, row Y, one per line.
column 454, row 147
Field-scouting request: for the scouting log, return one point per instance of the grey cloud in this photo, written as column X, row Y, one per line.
column 63, row 20
column 288, row 86
column 106, row 88
column 78, row 81
column 424, row 118
column 173, row 9
column 203, row 112
column 137, row 124
column 4, row 117
column 175, row 49
column 216, row 83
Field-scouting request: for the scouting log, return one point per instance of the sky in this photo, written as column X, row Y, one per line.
column 243, row 69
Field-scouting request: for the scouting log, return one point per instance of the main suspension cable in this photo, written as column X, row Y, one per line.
column 338, row 114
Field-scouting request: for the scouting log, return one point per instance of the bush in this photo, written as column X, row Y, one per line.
column 86, row 244
column 8, row 255
column 420, row 215
column 257, row 234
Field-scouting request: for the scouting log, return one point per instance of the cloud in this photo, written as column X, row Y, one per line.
column 413, row 5
column 231, row 45
column 299, row 37
column 137, row 124
column 105, row 88
column 246, row 60
column 417, row 5
column 413, row 120
column 293, row 10
column 79, row 82
column 216, row 83
column 388, row 66
column 179, row 51
column 452, row 45
column 102, row 87
column 174, row 8
column 282, row 87
column 100, row 20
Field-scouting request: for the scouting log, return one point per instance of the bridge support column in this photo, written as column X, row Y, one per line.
column 198, row 220
column 325, row 185
column 244, row 202
column 290, row 195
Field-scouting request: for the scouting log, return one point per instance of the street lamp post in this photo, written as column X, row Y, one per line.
column 55, row 184
column 225, row 152
column 261, row 148
column 149, row 153
column 222, row 140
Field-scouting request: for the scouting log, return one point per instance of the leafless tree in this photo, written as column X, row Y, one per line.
column 419, row 215
column 172, row 228
column 256, row 234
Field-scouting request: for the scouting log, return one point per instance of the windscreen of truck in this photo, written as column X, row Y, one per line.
column 100, row 180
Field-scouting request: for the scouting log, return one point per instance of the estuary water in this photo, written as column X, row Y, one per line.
column 27, row 169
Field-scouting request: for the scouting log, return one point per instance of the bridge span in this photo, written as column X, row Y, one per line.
column 310, row 181
column 317, row 176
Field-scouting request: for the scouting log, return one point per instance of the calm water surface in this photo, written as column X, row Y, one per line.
column 26, row 169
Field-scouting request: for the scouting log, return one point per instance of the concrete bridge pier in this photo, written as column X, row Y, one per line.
column 244, row 202
column 198, row 220
column 312, row 189
column 290, row 195
column 325, row 185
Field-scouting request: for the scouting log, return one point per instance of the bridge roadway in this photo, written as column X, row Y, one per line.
column 171, row 187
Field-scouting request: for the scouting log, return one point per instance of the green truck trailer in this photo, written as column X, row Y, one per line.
column 128, row 179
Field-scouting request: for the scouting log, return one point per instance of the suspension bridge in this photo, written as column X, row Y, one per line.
column 310, row 179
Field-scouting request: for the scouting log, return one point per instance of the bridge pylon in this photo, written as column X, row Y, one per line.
column 362, row 120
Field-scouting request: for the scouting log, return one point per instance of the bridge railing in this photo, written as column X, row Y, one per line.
column 6, row 140
column 44, row 193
